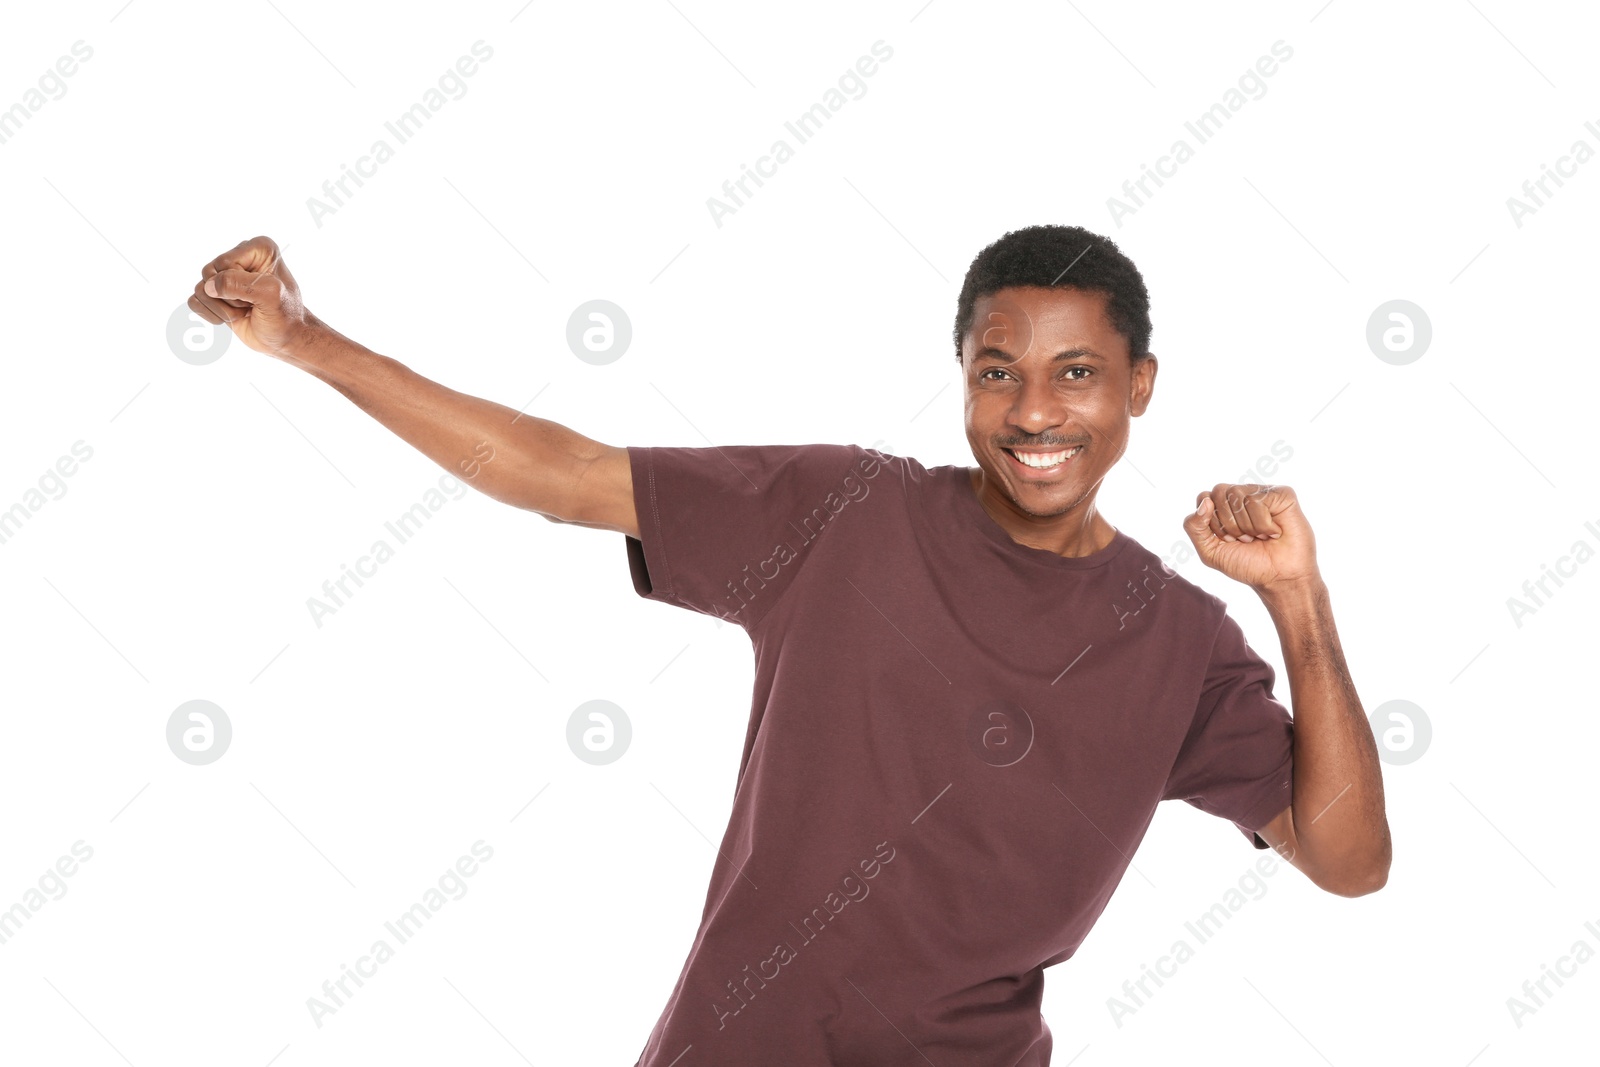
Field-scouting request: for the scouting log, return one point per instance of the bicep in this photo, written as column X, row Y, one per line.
column 1280, row 837
column 602, row 496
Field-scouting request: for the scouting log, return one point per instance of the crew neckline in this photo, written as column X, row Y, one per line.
column 993, row 531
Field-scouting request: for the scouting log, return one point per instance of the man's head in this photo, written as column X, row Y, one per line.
column 1053, row 334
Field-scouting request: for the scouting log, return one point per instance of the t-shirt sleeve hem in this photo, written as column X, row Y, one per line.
column 678, row 490
column 647, row 557
column 1280, row 796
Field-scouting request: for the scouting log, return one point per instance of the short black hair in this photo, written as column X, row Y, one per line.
column 1061, row 257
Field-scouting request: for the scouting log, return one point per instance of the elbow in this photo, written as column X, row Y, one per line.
column 1359, row 887
column 1358, row 880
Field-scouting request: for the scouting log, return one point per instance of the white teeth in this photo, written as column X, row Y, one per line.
column 1045, row 460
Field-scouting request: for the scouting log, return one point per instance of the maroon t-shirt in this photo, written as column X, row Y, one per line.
column 956, row 744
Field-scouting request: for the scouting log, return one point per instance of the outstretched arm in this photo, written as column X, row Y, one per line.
column 1335, row 829
column 528, row 462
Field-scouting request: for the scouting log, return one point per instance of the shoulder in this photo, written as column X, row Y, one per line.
column 1201, row 605
column 762, row 468
column 805, row 459
column 872, row 461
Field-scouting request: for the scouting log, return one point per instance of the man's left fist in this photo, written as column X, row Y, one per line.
column 1255, row 534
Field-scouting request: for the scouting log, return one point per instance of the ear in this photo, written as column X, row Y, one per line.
column 1143, row 385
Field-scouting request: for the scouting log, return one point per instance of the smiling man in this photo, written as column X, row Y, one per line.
column 971, row 692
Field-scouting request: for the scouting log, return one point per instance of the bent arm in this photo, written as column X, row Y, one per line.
column 1335, row 829
column 522, row 460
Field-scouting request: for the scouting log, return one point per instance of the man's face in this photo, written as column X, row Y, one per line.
column 1045, row 372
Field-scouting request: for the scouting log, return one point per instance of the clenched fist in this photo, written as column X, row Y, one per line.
column 250, row 288
column 1255, row 534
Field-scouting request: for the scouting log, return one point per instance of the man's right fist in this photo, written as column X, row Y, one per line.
column 250, row 288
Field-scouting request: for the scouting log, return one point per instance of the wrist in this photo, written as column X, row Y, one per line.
column 349, row 367
column 1292, row 594
column 316, row 346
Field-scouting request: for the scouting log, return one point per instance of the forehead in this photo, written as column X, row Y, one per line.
column 1052, row 315
column 1024, row 321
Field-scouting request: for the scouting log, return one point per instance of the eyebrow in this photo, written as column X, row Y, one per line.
column 1071, row 353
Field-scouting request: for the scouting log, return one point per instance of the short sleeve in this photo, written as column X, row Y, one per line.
column 726, row 530
column 1237, row 760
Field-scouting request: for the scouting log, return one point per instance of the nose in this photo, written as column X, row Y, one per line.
column 1038, row 407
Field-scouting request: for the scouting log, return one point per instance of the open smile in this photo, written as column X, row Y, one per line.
column 1033, row 463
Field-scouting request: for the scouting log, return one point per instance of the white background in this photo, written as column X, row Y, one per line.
column 371, row 752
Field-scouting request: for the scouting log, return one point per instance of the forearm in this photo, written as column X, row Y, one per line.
column 1338, row 806
column 517, row 459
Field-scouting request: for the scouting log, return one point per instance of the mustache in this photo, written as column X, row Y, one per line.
column 1046, row 444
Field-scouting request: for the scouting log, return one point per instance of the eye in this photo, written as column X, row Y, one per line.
column 984, row 375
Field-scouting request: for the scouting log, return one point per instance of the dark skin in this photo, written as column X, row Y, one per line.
column 1043, row 371
column 1335, row 830
column 1042, row 403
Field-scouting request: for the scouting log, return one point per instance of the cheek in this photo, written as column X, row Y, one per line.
column 1104, row 417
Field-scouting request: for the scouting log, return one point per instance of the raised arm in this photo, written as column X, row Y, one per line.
column 528, row 462
column 1335, row 828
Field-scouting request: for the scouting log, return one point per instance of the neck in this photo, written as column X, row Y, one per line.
column 1080, row 531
